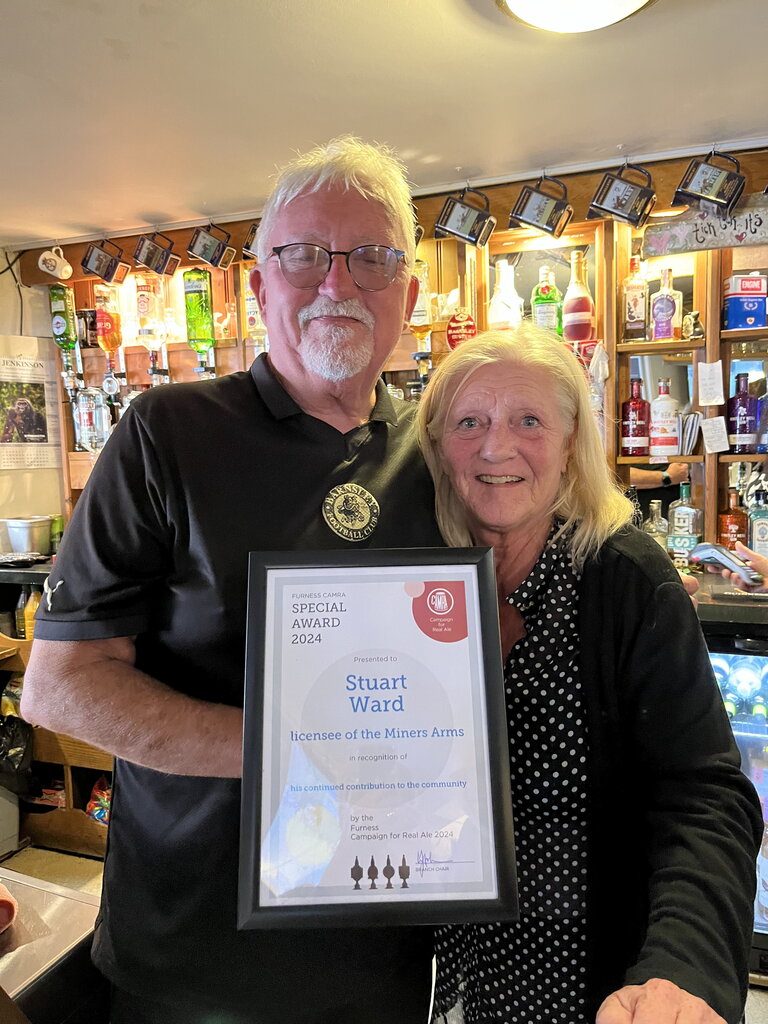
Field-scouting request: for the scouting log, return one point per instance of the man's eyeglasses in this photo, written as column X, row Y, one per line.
column 372, row 267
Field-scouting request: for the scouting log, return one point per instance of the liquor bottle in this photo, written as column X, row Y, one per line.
column 506, row 306
column 685, row 519
column 420, row 324
column 545, row 299
column 667, row 310
column 151, row 333
column 18, row 613
column 254, row 325
column 198, row 306
column 758, row 523
column 762, row 425
column 108, row 321
column 634, row 303
column 732, row 522
column 30, row 608
column 742, row 418
column 635, row 421
column 665, row 422
column 656, row 525
column 93, row 419
column 63, row 318
column 559, row 299
column 578, row 304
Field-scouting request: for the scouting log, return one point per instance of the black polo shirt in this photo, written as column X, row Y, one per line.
column 193, row 478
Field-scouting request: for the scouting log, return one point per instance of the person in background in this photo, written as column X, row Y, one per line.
column 139, row 646
column 636, row 832
column 658, row 483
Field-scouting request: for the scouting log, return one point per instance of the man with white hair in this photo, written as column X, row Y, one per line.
column 139, row 644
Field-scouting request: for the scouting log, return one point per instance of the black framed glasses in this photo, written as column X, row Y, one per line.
column 371, row 267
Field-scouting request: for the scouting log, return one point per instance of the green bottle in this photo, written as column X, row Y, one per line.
column 547, row 302
column 198, row 306
column 63, row 322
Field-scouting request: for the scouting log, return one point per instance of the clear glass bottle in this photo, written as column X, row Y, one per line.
column 665, row 422
column 254, row 325
column 635, row 421
column 732, row 522
column 742, row 418
column 578, row 304
column 545, row 299
column 421, row 322
column 18, row 613
column 634, row 304
column 656, row 525
column 685, row 519
column 93, row 418
column 505, row 309
column 758, row 523
column 667, row 310
column 30, row 608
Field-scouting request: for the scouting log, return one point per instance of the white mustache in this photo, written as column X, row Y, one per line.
column 323, row 306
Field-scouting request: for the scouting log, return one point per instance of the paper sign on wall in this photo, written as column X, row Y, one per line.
column 715, row 435
column 711, row 383
column 29, row 415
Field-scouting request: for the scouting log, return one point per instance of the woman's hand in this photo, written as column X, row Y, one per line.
column 656, row 1002
column 757, row 562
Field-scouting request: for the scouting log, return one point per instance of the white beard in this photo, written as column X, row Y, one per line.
column 336, row 353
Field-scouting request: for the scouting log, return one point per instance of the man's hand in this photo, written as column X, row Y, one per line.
column 656, row 1002
column 757, row 562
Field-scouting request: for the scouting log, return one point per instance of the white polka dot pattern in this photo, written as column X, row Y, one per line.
column 534, row 969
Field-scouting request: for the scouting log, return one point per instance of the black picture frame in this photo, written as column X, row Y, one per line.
column 430, row 901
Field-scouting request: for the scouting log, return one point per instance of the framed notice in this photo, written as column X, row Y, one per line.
column 376, row 785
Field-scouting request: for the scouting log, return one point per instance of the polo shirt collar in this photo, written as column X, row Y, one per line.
column 281, row 405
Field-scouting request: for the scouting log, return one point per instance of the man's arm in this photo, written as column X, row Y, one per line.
column 91, row 689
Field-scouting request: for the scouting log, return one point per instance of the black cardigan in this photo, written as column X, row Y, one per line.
column 674, row 825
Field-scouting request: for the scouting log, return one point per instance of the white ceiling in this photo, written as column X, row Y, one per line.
column 123, row 114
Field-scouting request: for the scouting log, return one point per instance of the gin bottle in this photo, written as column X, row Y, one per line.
column 665, row 422
column 742, row 418
column 656, row 526
column 758, row 524
column 634, row 297
column 667, row 310
column 635, row 421
column 732, row 522
column 198, row 307
column 545, row 300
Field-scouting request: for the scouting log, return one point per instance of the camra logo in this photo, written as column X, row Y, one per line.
column 351, row 512
column 440, row 602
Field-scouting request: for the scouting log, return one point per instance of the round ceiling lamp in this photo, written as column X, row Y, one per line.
column 571, row 15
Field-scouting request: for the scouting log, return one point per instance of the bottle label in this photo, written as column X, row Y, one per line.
column 635, row 442
column 58, row 326
column 634, row 305
column 663, row 307
column 577, row 318
column 736, row 440
column 759, row 540
column 545, row 315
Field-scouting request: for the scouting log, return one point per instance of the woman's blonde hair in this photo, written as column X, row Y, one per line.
column 589, row 500
column 373, row 170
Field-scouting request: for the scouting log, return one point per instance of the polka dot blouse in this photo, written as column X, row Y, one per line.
column 534, row 969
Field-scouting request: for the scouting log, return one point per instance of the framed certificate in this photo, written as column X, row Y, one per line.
column 376, row 784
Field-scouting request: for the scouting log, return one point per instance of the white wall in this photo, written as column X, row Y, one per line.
column 25, row 492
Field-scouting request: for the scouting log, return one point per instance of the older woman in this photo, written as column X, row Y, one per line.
column 636, row 831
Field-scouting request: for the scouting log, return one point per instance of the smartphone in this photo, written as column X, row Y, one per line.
column 716, row 554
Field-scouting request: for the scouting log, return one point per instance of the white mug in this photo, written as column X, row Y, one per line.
column 53, row 261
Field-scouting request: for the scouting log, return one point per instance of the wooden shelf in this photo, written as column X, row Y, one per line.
column 655, row 348
column 58, row 749
column 645, row 460
column 745, row 334
column 722, row 457
column 69, row 829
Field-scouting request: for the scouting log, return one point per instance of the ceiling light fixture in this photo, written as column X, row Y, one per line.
column 571, row 15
